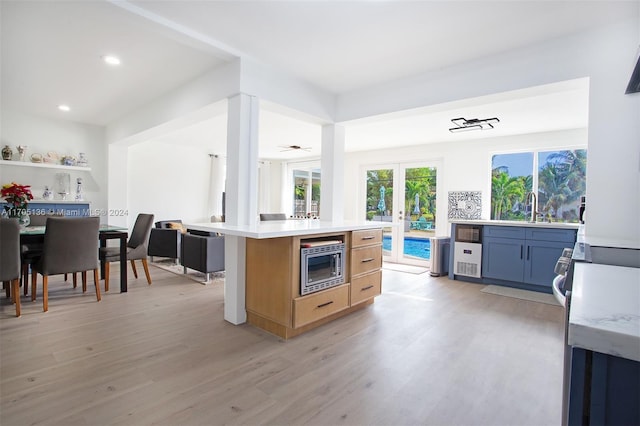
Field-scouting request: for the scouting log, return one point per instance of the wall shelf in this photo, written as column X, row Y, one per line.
column 43, row 165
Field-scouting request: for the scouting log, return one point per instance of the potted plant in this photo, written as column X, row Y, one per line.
column 17, row 198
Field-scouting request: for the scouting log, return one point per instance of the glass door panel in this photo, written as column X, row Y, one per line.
column 404, row 195
column 380, row 204
column 419, row 202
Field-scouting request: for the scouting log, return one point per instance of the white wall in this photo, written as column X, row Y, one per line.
column 42, row 135
column 464, row 166
column 169, row 181
column 605, row 55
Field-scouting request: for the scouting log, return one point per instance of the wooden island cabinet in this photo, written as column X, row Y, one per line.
column 273, row 298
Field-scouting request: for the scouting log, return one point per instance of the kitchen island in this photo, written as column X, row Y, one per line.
column 263, row 272
column 604, row 336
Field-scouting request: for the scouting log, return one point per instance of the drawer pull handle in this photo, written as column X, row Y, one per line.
column 369, row 259
column 366, row 288
column 322, row 305
column 368, row 238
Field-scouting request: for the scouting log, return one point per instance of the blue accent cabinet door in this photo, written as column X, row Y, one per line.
column 502, row 259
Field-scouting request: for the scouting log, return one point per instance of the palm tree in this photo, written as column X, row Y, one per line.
column 562, row 179
column 552, row 188
column 505, row 190
column 413, row 187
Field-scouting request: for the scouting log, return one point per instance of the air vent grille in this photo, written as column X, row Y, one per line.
column 466, row 268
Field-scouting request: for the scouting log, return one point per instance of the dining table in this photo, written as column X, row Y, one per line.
column 35, row 235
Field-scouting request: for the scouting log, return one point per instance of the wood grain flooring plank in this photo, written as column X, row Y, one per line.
column 428, row 351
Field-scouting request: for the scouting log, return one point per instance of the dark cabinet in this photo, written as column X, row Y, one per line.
column 523, row 254
column 502, row 259
column 604, row 390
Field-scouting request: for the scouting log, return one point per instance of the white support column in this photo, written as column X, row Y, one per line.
column 242, row 160
column 332, row 164
column 241, row 197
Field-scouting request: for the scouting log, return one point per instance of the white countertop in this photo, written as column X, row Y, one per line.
column 286, row 228
column 559, row 225
column 605, row 310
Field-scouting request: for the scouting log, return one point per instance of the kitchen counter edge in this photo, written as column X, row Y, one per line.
column 605, row 310
column 285, row 228
column 556, row 225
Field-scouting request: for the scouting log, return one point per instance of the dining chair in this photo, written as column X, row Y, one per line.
column 70, row 245
column 272, row 216
column 137, row 248
column 32, row 251
column 10, row 258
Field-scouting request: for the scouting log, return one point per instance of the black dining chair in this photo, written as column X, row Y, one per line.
column 70, row 245
column 10, row 258
column 137, row 248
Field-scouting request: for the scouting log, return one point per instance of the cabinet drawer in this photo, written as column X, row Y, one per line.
column 316, row 306
column 366, row 259
column 547, row 234
column 503, row 231
column 365, row 287
column 366, row 237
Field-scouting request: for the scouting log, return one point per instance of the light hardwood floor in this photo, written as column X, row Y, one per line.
column 429, row 351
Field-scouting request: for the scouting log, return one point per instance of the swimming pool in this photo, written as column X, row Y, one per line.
column 416, row 247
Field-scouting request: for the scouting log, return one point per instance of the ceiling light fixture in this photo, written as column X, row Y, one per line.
column 111, row 60
column 463, row 125
column 64, row 108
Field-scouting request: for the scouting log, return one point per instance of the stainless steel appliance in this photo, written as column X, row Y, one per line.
column 467, row 254
column 321, row 265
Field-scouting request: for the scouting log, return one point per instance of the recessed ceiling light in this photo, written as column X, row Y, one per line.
column 111, row 60
column 64, row 108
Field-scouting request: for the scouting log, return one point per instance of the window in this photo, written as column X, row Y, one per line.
column 306, row 192
column 559, row 183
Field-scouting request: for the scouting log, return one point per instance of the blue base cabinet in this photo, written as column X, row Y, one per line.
column 604, row 390
column 75, row 209
column 523, row 254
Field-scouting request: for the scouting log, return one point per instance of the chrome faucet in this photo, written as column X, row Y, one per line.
column 532, row 200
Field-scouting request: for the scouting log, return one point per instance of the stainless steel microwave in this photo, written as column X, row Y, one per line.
column 321, row 267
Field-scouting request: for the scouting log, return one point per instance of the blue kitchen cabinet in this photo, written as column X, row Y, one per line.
column 502, row 258
column 523, row 254
column 604, row 389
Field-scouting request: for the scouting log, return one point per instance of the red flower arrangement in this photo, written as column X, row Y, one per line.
column 17, row 198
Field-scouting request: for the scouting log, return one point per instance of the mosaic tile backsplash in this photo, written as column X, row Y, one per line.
column 465, row 204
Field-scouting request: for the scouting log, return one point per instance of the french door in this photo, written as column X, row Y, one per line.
column 405, row 196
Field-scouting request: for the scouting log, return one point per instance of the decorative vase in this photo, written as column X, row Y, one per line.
column 47, row 194
column 7, row 153
column 63, row 185
column 82, row 160
column 22, row 150
column 20, row 213
column 24, row 220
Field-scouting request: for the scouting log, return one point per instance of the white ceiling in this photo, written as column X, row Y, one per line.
column 51, row 54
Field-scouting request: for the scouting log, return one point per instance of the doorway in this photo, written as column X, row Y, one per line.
column 405, row 196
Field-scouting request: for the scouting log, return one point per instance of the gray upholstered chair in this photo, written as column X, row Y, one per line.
column 70, row 245
column 10, row 258
column 137, row 248
column 203, row 252
column 272, row 216
column 31, row 252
